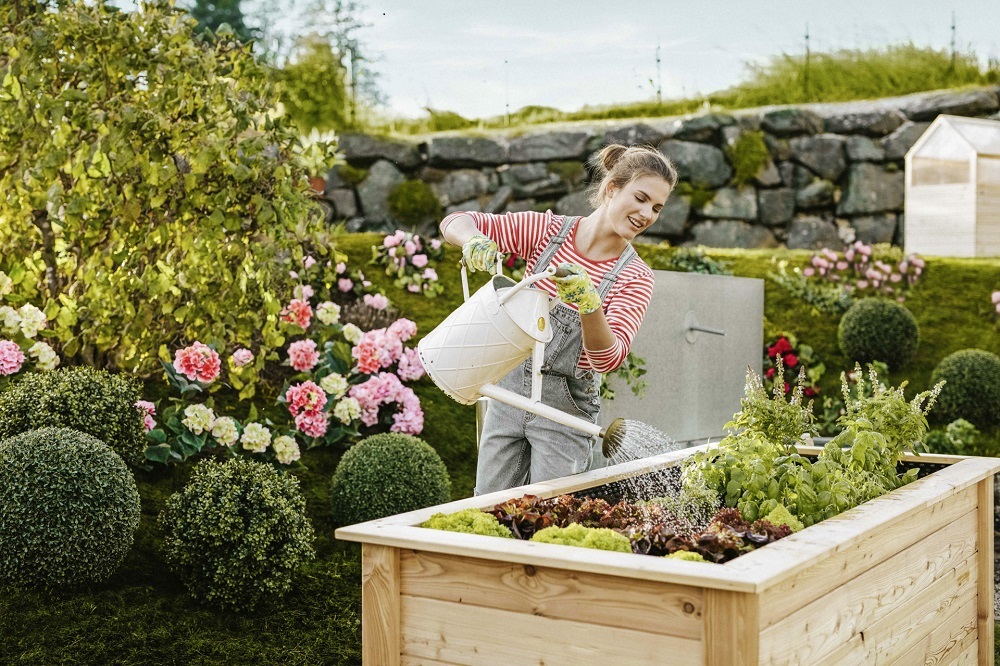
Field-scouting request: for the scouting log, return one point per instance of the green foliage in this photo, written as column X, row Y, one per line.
column 69, row 509
column 748, row 156
column 783, row 421
column 957, row 439
column 313, row 88
column 469, row 521
column 972, row 391
column 413, row 203
column 211, row 15
column 352, row 175
column 95, row 402
column 571, row 172
column 779, row 515
column 686, row 555
column 237, row 533
column 574, row 534
column 150, row 195
column 822, row 296
column 874, row 329
column 630, row 372
column 699, row 193
column 690, row 260
column 387, row 474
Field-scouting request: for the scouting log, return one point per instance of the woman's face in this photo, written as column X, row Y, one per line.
column 633, row 208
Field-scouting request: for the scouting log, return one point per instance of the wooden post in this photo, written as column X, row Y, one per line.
column 379, row 605
column 986, row 586
column 732, row 628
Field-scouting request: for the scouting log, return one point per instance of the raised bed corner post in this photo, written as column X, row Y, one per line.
column 985, row 548
column 732, row 628
column 379, row 605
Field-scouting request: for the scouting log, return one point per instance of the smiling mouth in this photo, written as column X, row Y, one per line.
column 635, row 223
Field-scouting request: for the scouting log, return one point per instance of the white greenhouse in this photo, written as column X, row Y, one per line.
column 953, row 189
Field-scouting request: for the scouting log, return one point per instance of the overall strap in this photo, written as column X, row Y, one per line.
column 554, row 243
column 612, row 276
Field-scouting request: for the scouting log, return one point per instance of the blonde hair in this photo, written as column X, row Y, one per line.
column 619, row 165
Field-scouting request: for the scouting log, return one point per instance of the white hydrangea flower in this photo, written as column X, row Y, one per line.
column 6, row 284
column 286, row 449
column 9, row 320
column 198, row 418
column 224, row 431
column 334, row 384
column 352, row 334
column 347, row 410
column 328, row 312
column 256, row 438
column 32, row 319
column 45, row 357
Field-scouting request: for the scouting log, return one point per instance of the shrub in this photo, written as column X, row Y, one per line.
column 748, row 156
column 95, row 402
column 237, row 533
column 972, row 391
column 874, row 329
column 574, row 534
column 386, row 474
column 413, row 202
column 958, row 439
column 313, row 86
column 69, row 509
column 470, row 521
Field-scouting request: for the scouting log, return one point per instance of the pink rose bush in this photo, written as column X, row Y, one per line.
column 405, row 256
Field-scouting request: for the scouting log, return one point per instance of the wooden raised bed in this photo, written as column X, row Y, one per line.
column 906, row 578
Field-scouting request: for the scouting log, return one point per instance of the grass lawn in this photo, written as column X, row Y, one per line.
column 144, row 616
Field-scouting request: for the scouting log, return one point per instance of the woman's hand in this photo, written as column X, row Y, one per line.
column 480, row 254
column 578, row 289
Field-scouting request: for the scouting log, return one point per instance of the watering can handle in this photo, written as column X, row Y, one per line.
column 465, row 274
column 526, row 282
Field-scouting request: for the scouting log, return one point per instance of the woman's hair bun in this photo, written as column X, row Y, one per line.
column 610, row 155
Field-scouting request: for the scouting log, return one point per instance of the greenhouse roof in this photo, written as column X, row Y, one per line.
column 979, row 135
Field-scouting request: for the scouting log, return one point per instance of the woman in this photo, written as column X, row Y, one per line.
column 604, row 300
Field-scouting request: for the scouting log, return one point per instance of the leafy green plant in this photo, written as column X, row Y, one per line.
column 691, row 260
column 875, row 329
column 69, row 509
column 387, row 474
column 699, row 193
column 151, row 195
column 237, row 533
column 95, row 402
column 958, row 438
column 469, row 521
column 748, row 155
column 822, row 296
column 313, row 88
column 630, row 372
column 972, row 391
column 575, row 534
column 414, row 203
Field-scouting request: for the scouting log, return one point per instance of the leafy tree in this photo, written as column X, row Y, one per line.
column 212, row 14
column 313, row 86
column 149, row 195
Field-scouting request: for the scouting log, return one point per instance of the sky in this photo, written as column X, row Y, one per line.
column 478, row 58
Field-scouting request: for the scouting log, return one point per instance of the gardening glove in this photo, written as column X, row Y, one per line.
column 480, row 254
column 577, row 288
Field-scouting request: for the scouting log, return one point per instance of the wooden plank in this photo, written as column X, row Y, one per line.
column 824, row 625
column 465, row 634
column 675, row 610
column 946, row 643
column 407, row 660
column 970, row 657
column 379, row 605
column 732, row 635
column 986, row 564
column 833, row 570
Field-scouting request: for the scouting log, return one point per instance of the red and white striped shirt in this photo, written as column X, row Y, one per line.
column 527, row 234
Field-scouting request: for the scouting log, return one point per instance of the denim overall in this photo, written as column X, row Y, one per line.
column 518, row 447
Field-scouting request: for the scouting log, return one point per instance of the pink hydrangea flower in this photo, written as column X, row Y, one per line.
column 148, row 411
column 345, row 284
column 430, row 274
column 303, row 355
column 308, row 262
column 11, row 358
column 305, row 397
column 368, row 356
column 410, row 247
column 419, row 260
column 413, row 288
column 198, row 362
column 242, row 357
column 385, row 388
column 410, row 368
column 390, row 241
column 313, row 424
column 995, row 297
column 341, row 267
column 298, row 312
column 435, row 243
column 304, row 291
column 376, row 301
column 404, row 329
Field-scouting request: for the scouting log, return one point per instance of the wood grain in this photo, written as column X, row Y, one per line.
column 380, row 611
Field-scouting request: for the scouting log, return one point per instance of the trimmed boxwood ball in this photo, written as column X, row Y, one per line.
column 387, row 474
column 972, row 391
column 875, row 329
column 69, row 509
column 237, row 533
column 92, row 401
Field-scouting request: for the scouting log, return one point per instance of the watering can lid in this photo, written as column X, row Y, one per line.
column 529, row 310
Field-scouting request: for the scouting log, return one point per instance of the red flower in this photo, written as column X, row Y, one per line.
column 771, row 352
column 787, row 387
column 770, row 373
column 810, row 392
column 782, row 346
column 791, row 360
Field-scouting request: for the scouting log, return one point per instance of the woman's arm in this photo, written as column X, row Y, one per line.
column 597, row 333
column 458, row 229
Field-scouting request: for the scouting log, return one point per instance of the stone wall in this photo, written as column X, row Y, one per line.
column 832, row 172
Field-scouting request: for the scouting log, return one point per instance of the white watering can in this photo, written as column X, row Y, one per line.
column 492, row 333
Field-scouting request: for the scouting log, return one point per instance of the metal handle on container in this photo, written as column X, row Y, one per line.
column 526, row 282
column 465, row 274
